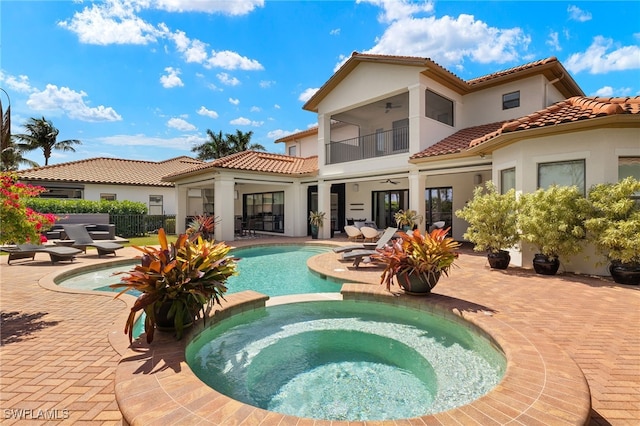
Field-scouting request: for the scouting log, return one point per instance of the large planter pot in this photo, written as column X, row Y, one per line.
column 314, row 232
column 418, row 285
column 544, row 265
column 624, row 273
column 499, row 260
column 166, row 323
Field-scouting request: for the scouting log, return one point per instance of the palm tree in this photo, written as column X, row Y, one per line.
column 10, row 153
column 215, row 147
column 241, row 141
column 41, row 134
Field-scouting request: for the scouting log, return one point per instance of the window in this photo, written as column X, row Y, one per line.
column 292, row 150
column 507, row 180
column 562, row 173
column 107, row 197
column 628, row 166
column 264, row 211
column 386, row 204
column 155, row 205
column 511, row 100
column 439, row 206
column 439, row 108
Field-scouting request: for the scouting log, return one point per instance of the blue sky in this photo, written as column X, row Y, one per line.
column 145, row 79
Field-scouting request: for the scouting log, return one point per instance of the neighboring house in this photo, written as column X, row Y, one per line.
column 403, row 132
column 112, row 179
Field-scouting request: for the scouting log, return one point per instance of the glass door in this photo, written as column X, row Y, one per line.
column 386, row 204
column 439, row 206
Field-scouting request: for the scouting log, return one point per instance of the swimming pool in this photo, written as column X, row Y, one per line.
column 345, row 360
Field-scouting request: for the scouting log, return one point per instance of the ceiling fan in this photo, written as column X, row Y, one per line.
column 390, row 181
column 389, row 106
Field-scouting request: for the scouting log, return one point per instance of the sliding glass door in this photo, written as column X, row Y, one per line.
column 386, row 204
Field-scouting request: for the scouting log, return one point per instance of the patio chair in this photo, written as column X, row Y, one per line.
column 384, row 239
column 370, row 234
column 79, row 238
column 353, row 233
column 28, row 251
column 362, row 254
column 437, row 225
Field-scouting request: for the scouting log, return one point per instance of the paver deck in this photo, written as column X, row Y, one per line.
column 59, row 351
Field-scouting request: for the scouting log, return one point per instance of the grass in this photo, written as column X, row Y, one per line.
column 149, row 240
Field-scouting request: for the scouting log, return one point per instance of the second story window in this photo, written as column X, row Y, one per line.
column 511, row 100
column 292, row 150
column 439, row 108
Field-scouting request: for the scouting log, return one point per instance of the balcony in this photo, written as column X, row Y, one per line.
column 379, row 144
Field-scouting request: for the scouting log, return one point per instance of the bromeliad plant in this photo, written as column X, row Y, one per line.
column 184, row 276
column 407, row 219
column 413, row 254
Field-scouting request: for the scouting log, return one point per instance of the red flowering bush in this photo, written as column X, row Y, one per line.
column 18, row 223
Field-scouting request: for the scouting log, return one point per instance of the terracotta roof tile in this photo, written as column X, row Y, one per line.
column 514, row 70
column 459, row 141
column 574, row 109
column 111, row 171
column 257, row 161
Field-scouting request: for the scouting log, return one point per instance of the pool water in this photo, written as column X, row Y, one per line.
column 343, row 360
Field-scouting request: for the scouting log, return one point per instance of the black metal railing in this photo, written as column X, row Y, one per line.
column 138, row 225
column 378, row 144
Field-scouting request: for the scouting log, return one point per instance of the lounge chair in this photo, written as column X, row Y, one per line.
column 28, row 251
column 79, row 238
column 386, row 236
column 353, row 233
column 362, row 254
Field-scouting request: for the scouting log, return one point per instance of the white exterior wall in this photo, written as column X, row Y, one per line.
column 599, row 148
column 134, row 193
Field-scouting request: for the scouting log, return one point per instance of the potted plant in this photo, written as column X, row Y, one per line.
column 176, row 281
column 316, row 220
column 493, row 224
column 204, row 225
column 417, row 261
column 407, row 219
column 614, row 227
column 553, row 219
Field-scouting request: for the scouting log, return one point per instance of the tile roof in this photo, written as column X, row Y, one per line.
column 257, row 161
column 575, row 109
column 111, row 171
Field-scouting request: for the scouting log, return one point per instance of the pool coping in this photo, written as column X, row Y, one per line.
column 154, row 384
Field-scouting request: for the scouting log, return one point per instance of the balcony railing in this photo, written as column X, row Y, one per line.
column 379, row 144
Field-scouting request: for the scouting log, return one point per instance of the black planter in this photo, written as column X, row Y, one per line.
column 416, row 284
column 314, row 232
column 544, row 265
column 164, row 322
column 624, row 273
column 499, row 260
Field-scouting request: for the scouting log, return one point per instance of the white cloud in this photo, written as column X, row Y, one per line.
column 243, row 121
column 111, row 22
column 207, row 112
column 279, row 133
column 600, row 59
column 184, row 143
column 171, row 79
column 232, row 8
column 227, row 79
column 553, row 42
column 180, row 124
column 71, row 103
column 577, row 14
column 229, row 60
column 276, row 106
column 393, row 10
column 307, row 94
column 234, row 101
column 265, row 84
column 608, row 91
column 192, row 50
column 18, row 84
column 255, row 109
column 449, row 40
column 335, row 32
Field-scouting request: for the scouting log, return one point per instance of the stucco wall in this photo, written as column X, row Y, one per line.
column 134, row 193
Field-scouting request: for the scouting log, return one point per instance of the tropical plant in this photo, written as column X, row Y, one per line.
column 203, row 225
column 182, row 277
column 413, row 254
column 316, row 218
column 41, row 134
column 492, row 218
column 19, row 223
column 218, row 146
column 10, row 153
column 407, row 218
column 614, row 226
column 553, row 220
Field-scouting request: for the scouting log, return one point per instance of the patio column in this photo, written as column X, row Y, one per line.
column 181, row 212
column 324, row 205
column 223, row 187
column 417, row 183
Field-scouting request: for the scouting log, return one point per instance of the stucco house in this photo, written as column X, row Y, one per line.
column 112, row 179
column 403, row 132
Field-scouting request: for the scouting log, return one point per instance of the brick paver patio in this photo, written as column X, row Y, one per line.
column 59, row 351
